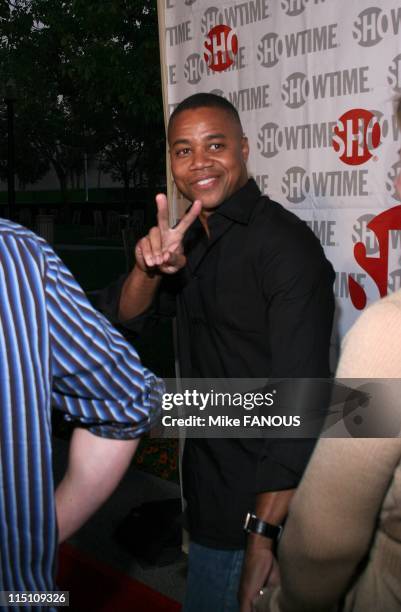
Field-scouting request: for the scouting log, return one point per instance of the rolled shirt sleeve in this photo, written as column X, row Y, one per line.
column 98, row 379
column 107, row 300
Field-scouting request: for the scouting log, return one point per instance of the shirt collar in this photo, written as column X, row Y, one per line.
column 240, row 205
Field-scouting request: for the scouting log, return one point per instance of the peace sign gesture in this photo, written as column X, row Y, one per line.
column 162, row 249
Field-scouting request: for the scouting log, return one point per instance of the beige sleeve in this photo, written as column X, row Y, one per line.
column 372, row 348
column 334, row 512
column 332, row 519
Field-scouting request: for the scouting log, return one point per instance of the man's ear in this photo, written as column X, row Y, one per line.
column 245, row 148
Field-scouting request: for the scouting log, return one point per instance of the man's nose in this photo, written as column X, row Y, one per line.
column 200, row 158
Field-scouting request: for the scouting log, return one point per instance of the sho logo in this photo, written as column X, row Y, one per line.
column 211, row 18
column 292, row 8
column 295, row 185
column 295, row 90
column 391, row 176
column 270, row 49
column 370, row 27
column 361, row 233
column 194, row 68
column 221, row 47
column 377, row 267
column 357, row 133
column 394, row 80
column 270, row 140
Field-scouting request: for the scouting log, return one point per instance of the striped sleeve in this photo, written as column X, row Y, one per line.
column 98, row 378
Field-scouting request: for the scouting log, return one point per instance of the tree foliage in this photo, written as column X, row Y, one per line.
column 88, row 80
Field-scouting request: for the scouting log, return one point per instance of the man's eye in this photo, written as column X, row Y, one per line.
column 215, row 146
column 182, row 152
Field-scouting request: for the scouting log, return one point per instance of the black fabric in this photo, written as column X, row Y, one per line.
column 255, row 300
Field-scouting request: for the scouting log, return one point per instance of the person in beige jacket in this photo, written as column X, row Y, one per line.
column 341, row 546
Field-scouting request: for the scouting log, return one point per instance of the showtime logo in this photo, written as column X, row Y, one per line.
column 362, row 233
column 211, row 18
column 293, row 8
column 356, row 135
column 373, row 24
column 270, row 50
column 221, row 48
column 297, row 87
column 272, row 138
column 394, row 79
column 295, row 90
column 194, row 68
column 383, row 226
column 297, row 185
column 312, row 40
column 235, row 15
column 391, row 176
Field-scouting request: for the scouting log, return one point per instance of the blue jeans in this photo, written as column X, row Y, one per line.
column 213, row 579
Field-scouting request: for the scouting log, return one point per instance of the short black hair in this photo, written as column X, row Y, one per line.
column 205, row 100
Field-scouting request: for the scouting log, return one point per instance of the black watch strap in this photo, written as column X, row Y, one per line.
column 255, row 525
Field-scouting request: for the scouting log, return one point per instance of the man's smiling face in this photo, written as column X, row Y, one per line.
column 208, row 155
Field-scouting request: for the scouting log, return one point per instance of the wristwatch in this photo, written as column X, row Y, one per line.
column 254, row 525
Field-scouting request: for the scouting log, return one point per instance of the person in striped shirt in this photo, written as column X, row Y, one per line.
column 57, row 351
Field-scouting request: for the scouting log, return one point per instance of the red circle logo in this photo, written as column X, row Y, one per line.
column 356, row 135
column 221, row 47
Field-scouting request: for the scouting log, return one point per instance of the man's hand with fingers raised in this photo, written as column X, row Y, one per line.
column 162, row 249
column 160, row 252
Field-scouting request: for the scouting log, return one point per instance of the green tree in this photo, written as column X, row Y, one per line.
column 88, row 78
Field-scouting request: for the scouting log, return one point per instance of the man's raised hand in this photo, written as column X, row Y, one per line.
column 162, row 249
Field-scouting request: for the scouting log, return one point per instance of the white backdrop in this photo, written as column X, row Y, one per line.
column 314, row 82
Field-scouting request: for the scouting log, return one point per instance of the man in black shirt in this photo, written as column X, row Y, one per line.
column 252, row 291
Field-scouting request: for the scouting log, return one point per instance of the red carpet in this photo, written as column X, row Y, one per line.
column 96, row 587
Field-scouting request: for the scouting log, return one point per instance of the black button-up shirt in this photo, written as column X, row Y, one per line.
column 255, row 300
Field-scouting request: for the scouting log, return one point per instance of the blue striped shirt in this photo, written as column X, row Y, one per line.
column 55, row 350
